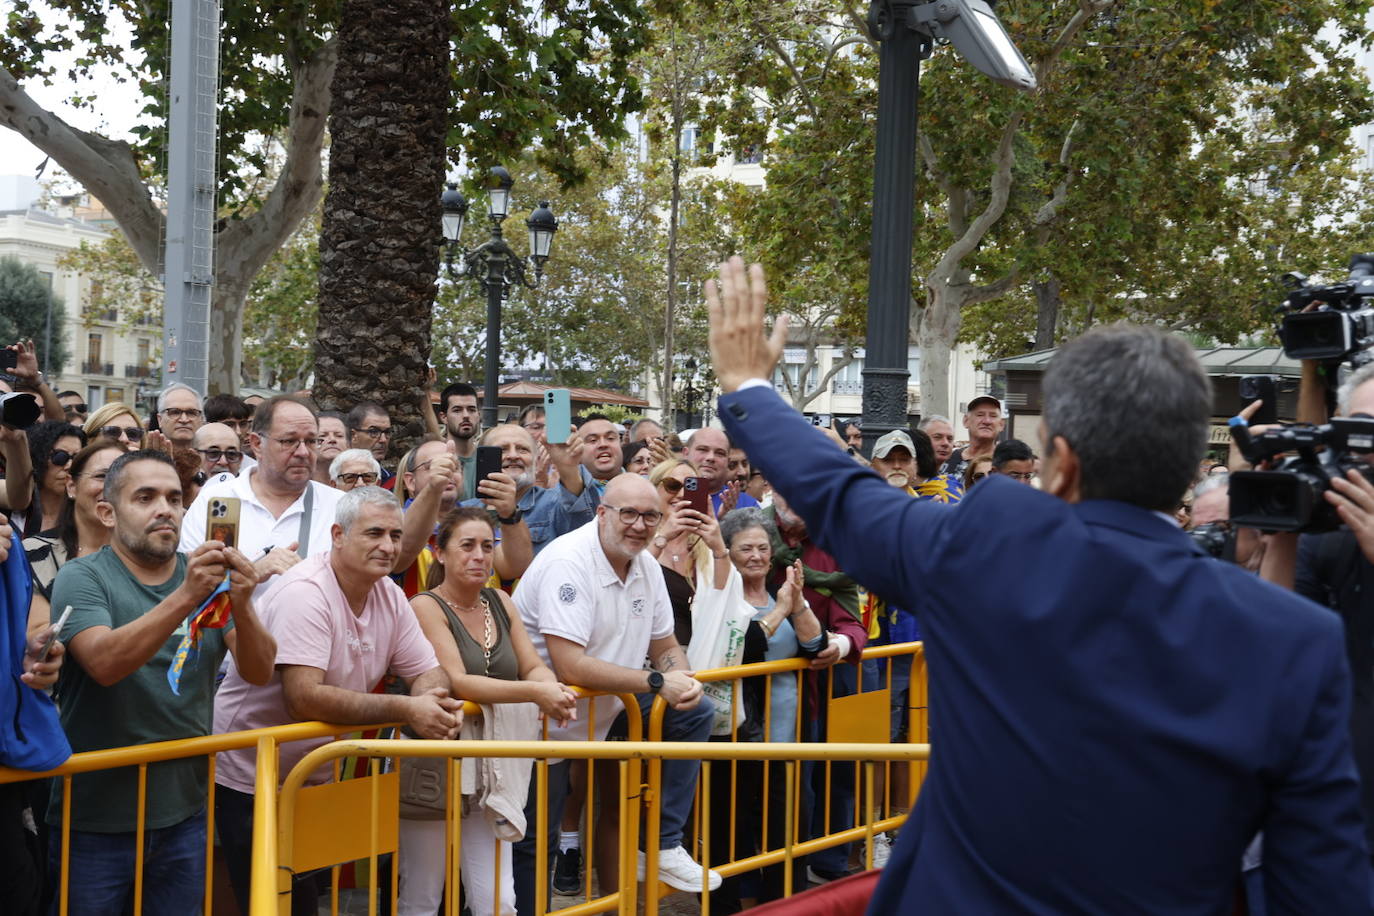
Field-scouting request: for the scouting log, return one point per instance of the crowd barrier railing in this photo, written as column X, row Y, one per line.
column 638, row 781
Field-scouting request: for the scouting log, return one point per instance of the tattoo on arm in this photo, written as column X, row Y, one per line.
column 667, row 661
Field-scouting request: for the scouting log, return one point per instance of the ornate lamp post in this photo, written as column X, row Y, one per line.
column 906, row 31
column 494, row 265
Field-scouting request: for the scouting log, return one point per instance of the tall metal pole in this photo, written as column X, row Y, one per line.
column 189, row 258
column 495, row 286
column 885, row 374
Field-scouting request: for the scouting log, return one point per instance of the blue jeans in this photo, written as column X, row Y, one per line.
column 525, row 850
column 679, row 776
column 102, row 867
column 835, row 860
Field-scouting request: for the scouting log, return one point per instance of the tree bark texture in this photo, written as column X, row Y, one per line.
column 1047, row 298
column 379, row 243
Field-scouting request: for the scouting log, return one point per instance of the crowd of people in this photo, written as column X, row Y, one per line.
column 362, row 586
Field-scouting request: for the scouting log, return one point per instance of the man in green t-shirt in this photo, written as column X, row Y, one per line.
column 131, row 603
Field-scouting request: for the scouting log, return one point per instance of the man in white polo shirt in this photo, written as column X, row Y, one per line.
column 595, row 605
column 284, row 515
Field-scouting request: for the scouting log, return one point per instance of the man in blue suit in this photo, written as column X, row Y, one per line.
column 1116, row 713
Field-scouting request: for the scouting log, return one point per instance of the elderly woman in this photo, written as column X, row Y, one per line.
column 783, row 627
column 355, row 467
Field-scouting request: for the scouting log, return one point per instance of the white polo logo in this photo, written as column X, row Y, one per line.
column 566, row 593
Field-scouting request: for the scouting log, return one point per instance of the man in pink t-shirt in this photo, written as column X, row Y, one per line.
column 341, row 624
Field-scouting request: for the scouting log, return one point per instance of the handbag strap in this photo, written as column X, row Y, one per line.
column 303, row 535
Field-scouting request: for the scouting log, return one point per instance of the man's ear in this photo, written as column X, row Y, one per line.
column 1064, row 471
column 105, row 512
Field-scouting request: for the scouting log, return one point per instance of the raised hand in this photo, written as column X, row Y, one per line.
column 740, row 350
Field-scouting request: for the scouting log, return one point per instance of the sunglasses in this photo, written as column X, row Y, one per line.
column 132, row 433
column 75, row 408
column 60, row 458
column 671, row 484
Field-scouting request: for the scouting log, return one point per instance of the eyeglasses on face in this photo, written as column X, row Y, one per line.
column 75, row 408
column 231, row 455
column 131, row 433
column 979, row 476
column 671, row 484
column 376, row 432
column 367, row 478
column 179, row 413
column 59, row 458
column 629, row 516
column 290, row 445
column 1017, row 475
column 93, row 475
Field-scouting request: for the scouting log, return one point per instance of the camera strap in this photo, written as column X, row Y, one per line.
column 303, row 536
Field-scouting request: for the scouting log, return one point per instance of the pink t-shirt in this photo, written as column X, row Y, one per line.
column 307, row 613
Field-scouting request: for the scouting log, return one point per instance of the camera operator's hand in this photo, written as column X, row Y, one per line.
column 1353, row 497
column 1235, row 461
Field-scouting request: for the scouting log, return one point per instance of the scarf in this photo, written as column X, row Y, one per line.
column 836, row 586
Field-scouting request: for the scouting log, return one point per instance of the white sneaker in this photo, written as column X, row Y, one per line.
column 677, row 869
column 882, row 848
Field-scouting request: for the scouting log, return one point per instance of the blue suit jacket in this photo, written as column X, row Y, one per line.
column 1113, row 714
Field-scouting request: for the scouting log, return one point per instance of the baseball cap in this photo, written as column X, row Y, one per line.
column 892, row 440
column 985, row 399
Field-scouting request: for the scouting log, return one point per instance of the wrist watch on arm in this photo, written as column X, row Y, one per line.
column 655, row 681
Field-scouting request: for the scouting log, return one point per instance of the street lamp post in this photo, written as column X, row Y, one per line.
column 906, row 31
column 494, row 265
column 690, row 392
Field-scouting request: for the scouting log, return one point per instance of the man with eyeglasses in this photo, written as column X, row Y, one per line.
column 284, row 515
column 553, row 511
column 180, row 413
column 235, row 414
column 369, row 427
column 219, row 450
column 595, row 605
column 1014, row 458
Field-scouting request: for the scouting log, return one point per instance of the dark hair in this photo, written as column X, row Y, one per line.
column 447, row 525
column 66, row 518
column 69, row 392
column 926, row 465
column 267, row 411
column 629, row 452
column 1134, row 404
column 1011, row 450
column 583, row 421
column 333, row 415
column 361, row 411
column 456, row 390
column 226, row 407
column 114, row 477
column 42, row 441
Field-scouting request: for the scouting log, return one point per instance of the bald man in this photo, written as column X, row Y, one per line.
column 595, row 605
column 219, row 449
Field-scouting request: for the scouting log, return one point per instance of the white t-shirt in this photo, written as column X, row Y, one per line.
column 258, row 528
column 571, row 591
column 308, row 615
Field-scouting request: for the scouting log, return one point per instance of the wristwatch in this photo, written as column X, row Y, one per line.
column 514, row 519
column 655, row 682
column 660, row 541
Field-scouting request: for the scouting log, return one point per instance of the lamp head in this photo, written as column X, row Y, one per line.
column 455, row 209
column 977, row 34
column 498, row 193
column 542, row 226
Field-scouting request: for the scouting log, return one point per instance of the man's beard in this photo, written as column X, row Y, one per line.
column 523, row 480
column 465, row 435
column 144, row 547
column 898, row 479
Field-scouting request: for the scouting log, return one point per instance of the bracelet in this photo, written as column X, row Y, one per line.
column 721, row 556
column 767, row 630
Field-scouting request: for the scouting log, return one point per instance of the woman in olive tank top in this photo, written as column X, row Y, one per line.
column 483, row 647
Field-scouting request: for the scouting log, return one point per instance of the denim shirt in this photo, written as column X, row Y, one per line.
column 554, row 512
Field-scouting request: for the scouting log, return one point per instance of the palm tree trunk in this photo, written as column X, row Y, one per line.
column 379, row 254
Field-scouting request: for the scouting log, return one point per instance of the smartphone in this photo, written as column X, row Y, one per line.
column 821, row 419
column 1261, row 387
column 557, row 415
column 8, row 359
column 488, row 462
column 697, row 492
column 222, row 520
column 52, row 634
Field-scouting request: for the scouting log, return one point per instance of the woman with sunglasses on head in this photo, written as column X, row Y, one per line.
column 52, row 444
column 78, row 532
column 118, row 422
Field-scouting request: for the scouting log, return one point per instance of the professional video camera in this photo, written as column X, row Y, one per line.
column 1211, row 537
column 1342, row 328
column 1291, row 497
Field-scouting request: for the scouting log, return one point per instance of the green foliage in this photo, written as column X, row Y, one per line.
column 553, row 73
column 27, row 302
column 616, row 413
column 118, row 282
column 280, row 313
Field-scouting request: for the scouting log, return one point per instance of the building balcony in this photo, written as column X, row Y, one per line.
column 96, row 368
column 107, row 315
column 137, row 372
column 847, row 386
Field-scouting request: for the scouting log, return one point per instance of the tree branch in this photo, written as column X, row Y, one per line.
column 106, row 168
column 1050, row 209
column 797, row 79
